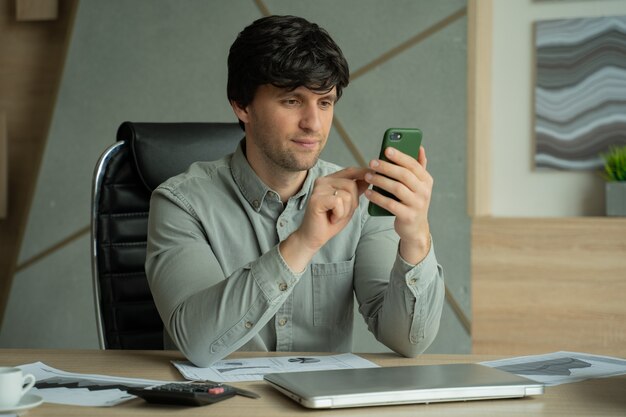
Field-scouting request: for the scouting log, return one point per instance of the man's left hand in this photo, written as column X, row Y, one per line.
column 407, row 179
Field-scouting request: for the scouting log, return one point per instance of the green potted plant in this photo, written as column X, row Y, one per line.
column 615, row 175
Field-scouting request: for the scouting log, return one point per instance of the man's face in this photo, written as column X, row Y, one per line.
column 286, row 130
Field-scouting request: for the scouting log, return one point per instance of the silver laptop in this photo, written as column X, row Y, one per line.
column 401, row 385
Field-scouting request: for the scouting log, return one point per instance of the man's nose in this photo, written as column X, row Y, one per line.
column 310, row 119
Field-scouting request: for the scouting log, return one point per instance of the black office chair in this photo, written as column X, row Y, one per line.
column 145, row 155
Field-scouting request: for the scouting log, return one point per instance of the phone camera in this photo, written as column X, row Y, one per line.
column 395, row 136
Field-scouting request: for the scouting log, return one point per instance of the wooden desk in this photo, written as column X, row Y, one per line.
column 597, row 397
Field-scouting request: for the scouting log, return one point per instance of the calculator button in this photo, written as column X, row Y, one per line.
column 216, row 390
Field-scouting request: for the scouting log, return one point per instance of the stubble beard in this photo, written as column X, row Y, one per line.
column 289, row 160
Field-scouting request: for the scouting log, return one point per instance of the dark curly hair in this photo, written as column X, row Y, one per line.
column 287, row 52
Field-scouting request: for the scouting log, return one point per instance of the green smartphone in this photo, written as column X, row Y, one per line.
column 406, row 140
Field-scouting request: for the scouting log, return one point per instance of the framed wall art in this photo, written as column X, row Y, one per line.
column 580, row 91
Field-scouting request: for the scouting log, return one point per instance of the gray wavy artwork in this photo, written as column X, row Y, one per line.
column 580, row 91
column 562, row 367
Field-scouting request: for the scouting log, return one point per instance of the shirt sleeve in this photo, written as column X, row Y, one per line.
column 208, row 315
column 401, row 303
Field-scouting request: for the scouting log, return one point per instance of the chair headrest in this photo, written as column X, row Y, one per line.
column 162, row 150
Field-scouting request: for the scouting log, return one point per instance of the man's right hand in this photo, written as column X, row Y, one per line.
column 332, row 203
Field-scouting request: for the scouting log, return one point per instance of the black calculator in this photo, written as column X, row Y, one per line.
column 184, row 393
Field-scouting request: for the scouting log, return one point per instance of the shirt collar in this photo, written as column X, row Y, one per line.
column 253, row 188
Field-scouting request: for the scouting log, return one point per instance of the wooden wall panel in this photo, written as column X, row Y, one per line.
column 542, row 285
column 31, row 62
column 36, row 9
column 4, row 170
column 479, row 34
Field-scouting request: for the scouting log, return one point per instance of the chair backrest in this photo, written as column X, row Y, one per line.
column 145, row 155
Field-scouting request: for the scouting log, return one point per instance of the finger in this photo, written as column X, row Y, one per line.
column 327, row 204
column 362, row 186
column 394, row 207
column 352, row 173
column 394, row 173
column 421, row 158
column 347, row 179
column 350, row 197
column 355, row 187
column 339, row 209
column 382, row 201
column 392, row 186
column 401, row 159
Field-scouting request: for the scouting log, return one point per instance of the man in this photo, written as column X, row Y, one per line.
column 265, row 249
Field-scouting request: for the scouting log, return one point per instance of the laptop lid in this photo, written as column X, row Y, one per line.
column 401, row 385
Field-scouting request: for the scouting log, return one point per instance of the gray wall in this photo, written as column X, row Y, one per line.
column 160, row 60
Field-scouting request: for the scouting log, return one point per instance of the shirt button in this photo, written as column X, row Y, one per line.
column 412, row 281
column 281, row 223
column 413, row 339
column 282, row 286
column 256, row 204
column 282, row 322
column 248, row 325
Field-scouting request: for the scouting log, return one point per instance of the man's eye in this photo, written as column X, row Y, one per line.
column 290, row 102
column 326, row 104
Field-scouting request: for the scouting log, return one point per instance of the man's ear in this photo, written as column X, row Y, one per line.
column 240, row 112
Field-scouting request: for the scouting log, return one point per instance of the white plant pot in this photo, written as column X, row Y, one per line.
column 616, row 198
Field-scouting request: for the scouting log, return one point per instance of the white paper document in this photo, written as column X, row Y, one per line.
column 60, row 387
column 253, row 369
column 561, row 367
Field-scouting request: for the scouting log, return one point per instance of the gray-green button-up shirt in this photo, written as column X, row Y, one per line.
column 220, row 283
